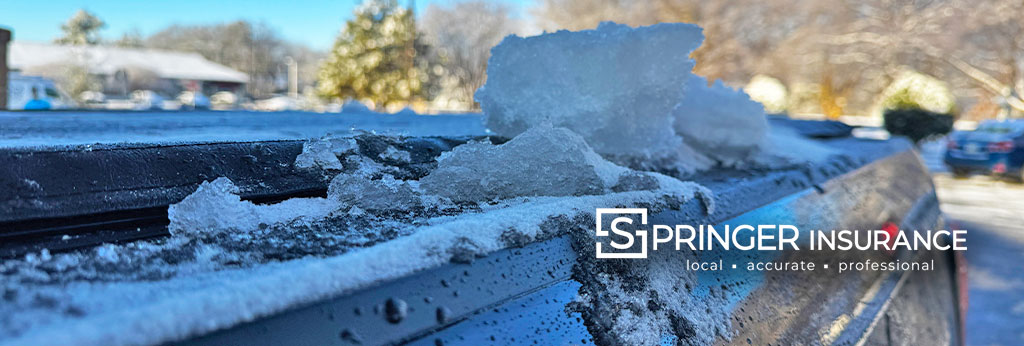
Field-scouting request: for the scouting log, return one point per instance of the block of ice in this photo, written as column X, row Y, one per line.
column 396, row 155
column 542, row 161
column 217, row 207
column 614, row 85
column 317, row 153
column 718, row 121
column 629, row 92
column 381, row 194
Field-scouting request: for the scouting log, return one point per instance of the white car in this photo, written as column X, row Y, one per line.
column 194, row 100
column 19, row 92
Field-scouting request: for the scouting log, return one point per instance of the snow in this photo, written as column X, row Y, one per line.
column 614, row 86
column 216, row 207
column 381, row 194
column 204, row 296
column 718, row 121
column 20, row 129
column 632, row 96
column 395, row 155
column 230, row 261
column 542, row 161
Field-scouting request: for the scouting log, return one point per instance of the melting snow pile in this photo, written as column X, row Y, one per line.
column 629, row 92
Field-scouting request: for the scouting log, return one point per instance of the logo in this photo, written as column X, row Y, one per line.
column 616, row 222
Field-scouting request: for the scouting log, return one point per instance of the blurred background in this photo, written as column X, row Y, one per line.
column 802, row 57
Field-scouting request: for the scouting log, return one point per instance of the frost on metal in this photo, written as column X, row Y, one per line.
column 630, row 93
column 229, row 260
column 150, row 293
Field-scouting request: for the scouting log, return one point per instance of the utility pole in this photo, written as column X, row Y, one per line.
column 293, row 77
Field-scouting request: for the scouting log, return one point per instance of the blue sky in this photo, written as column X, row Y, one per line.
column 315, row 23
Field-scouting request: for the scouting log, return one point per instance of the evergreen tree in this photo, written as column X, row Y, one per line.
column 379, row 57
column 82, row 28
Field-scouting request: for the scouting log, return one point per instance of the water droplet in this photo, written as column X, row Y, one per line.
column 395, row 310
column 443, row 314
column 350, row 336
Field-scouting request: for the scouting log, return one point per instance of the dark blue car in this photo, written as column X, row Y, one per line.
column 995, row 147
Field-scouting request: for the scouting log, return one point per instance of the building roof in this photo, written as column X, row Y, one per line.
column 106, row 60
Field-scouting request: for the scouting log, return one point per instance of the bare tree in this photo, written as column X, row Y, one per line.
column 253, row 48
column 849, row 49
column 992, row 50
column 464, row 33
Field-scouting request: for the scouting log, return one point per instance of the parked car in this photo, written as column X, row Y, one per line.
column 147, row 100
column 194, row 100
column 995, row 147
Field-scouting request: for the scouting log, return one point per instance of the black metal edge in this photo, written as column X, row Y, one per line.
column 733, row 197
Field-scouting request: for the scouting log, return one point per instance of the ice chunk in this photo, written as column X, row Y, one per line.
column 718, row 121
column 342, row 145
column 632, row 96
column 784, row 146
column 317, row 153
column 216, row 207
column 542, row 161
column 393, row 154
column 364, row 167
column 382, row 194
column 615, row 86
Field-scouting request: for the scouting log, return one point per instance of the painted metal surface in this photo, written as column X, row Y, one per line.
column 520, row 296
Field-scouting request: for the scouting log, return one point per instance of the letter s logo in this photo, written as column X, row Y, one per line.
column 627, row 235
column 614, row 225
